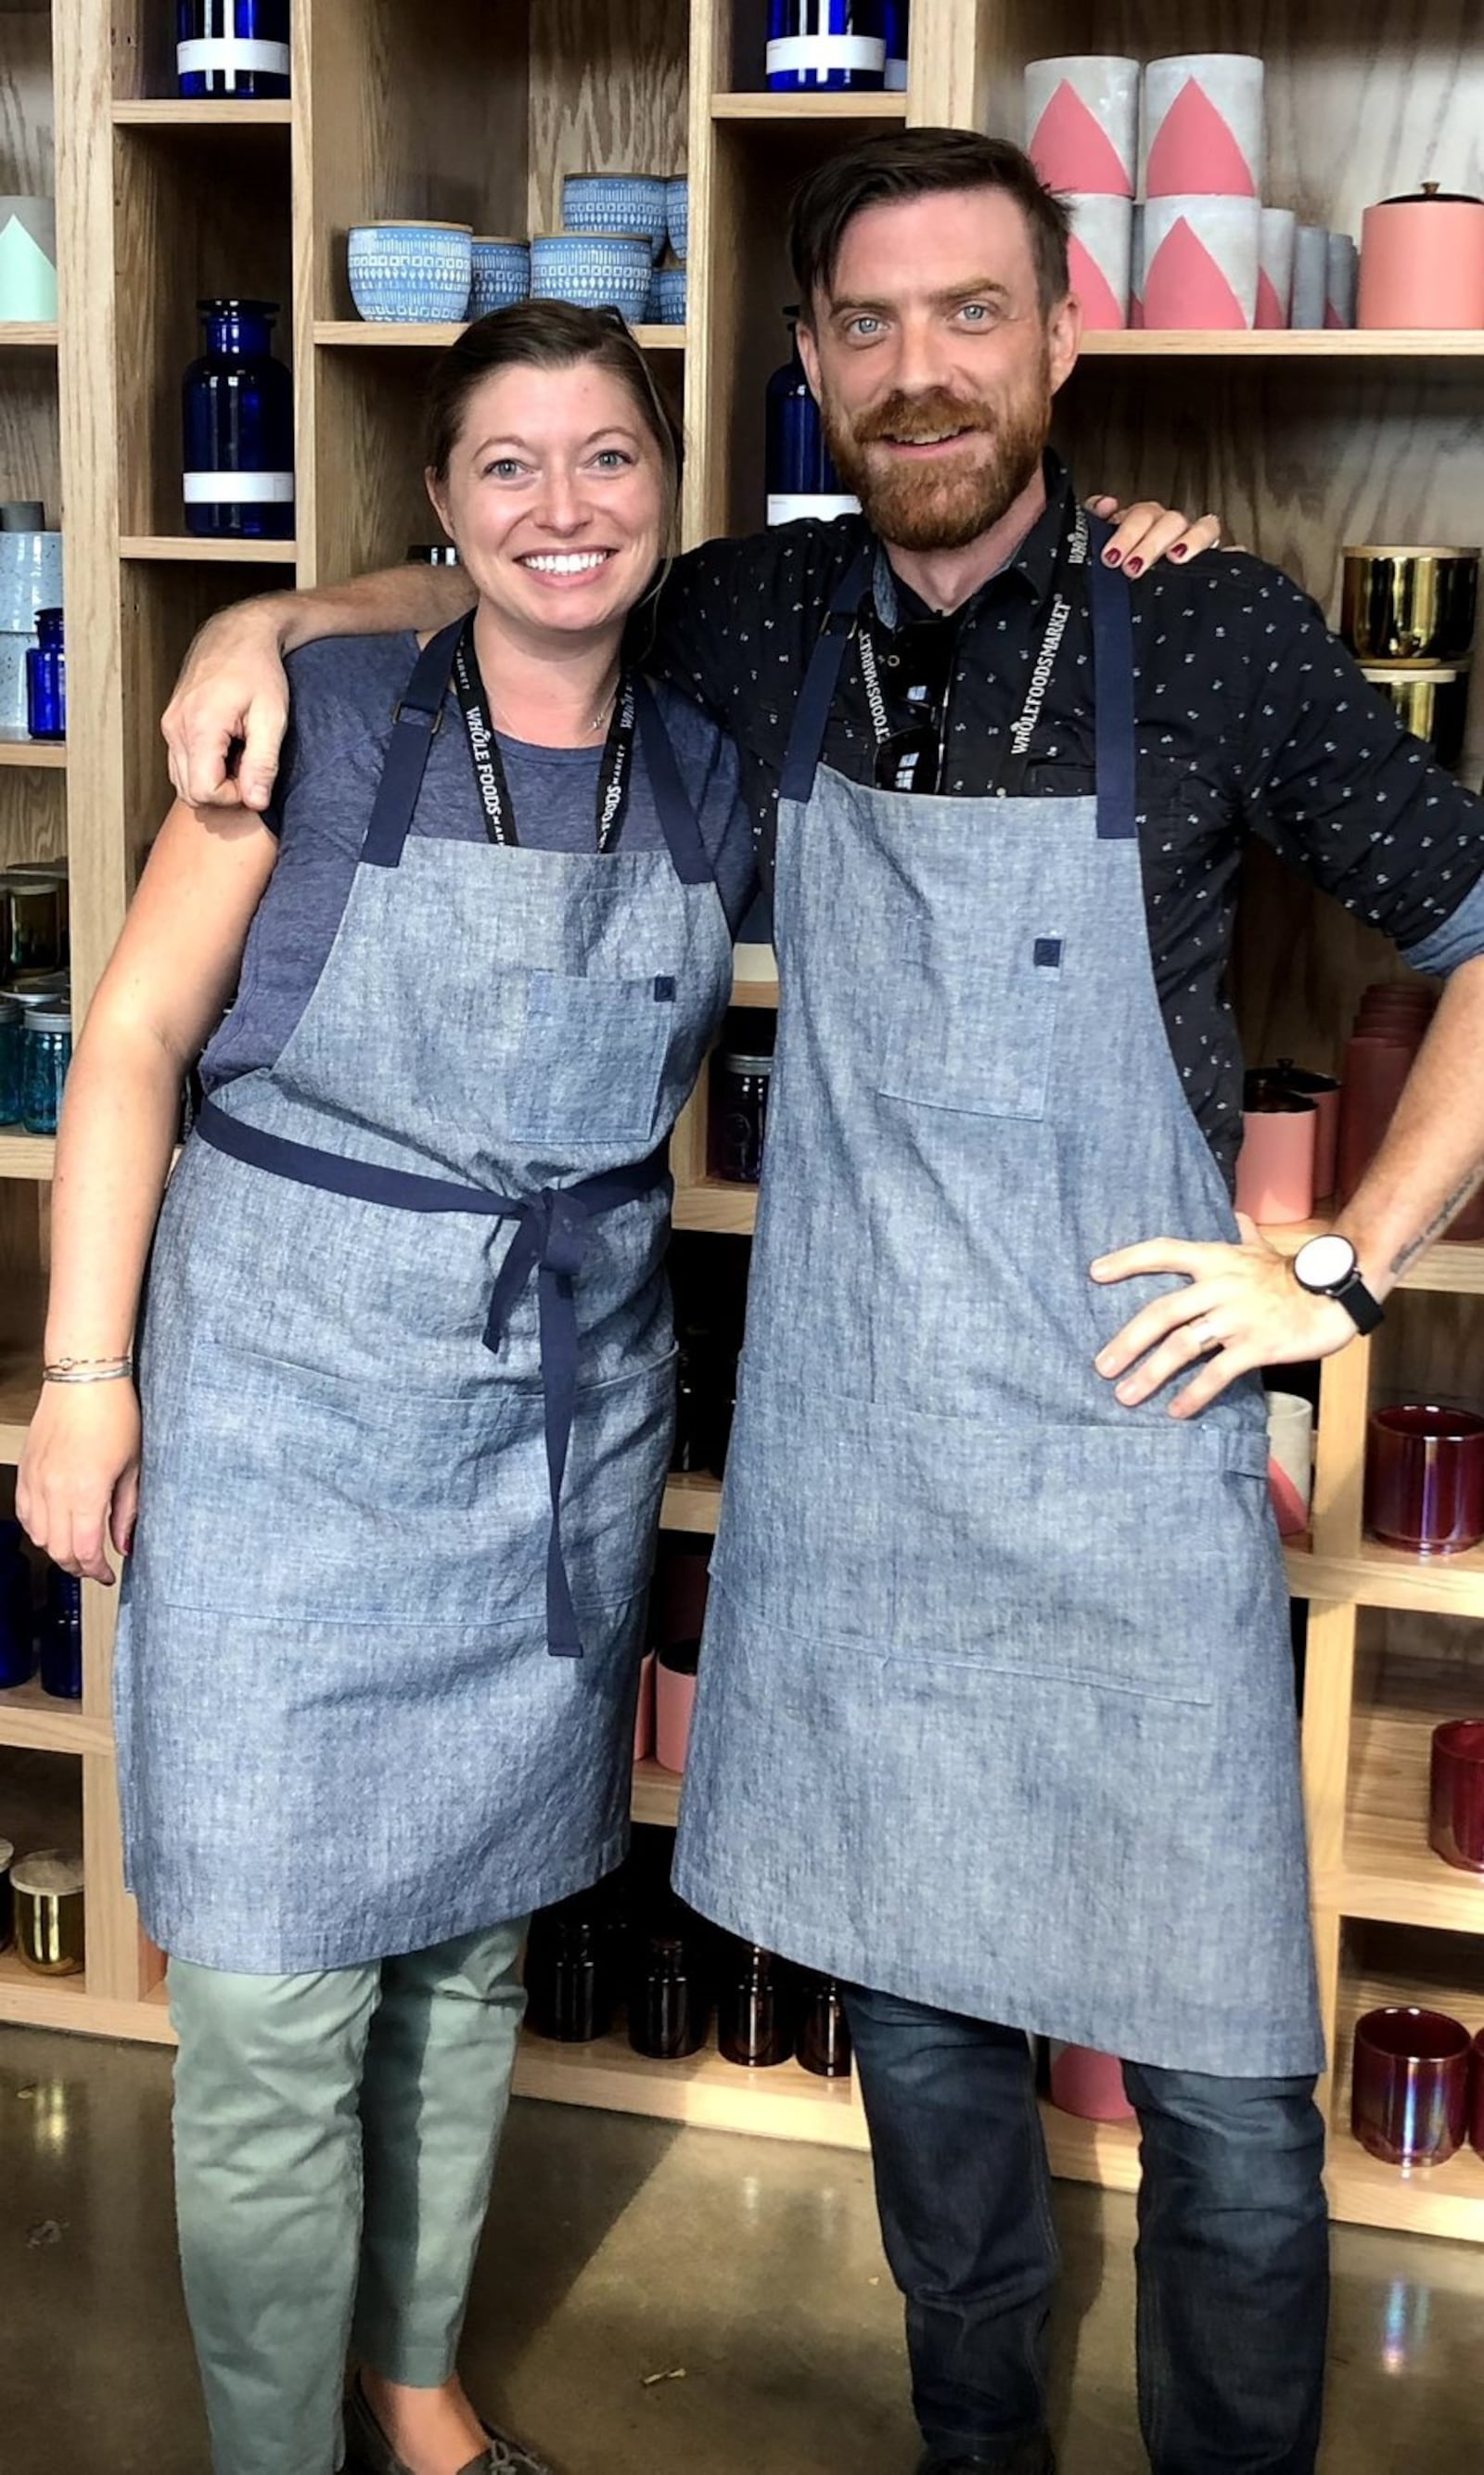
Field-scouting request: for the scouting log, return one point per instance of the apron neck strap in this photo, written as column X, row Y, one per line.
column 1113, row 689
column 811, row 713
column 672, row 803
column 418, row 715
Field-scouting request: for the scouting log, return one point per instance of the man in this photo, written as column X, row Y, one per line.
column 996, row 1715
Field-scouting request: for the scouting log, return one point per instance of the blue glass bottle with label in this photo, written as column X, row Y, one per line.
column 46, row 679
column 825, row 46
column 232, row 48
column 46, row 1054
column 800, row 474
column 62, row 1636
column 896, row 27
column 238, row 415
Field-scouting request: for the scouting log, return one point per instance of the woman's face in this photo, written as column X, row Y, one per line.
column 555, row 497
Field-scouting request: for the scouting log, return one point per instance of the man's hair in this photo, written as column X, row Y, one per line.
column 903, row 163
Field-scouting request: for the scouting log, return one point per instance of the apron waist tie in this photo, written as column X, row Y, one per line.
column 550, row 1245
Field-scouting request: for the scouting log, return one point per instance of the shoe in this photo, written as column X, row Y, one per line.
column 368, row 2452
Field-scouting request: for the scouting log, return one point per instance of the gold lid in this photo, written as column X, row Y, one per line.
column 1406, row 549
column 51, row 1874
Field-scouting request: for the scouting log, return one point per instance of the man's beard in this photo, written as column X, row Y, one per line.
column 942, row 506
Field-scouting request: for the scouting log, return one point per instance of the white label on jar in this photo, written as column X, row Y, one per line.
column 239, row 52
column 786, row 506
column 822, row 53
column 896, row 77
column 239, row 489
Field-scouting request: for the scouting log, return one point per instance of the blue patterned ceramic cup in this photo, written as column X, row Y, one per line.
column 502, row 275
column 678, row 217
column 667, row 298
column 616, row 201
column 411, row 274
column 597, row 270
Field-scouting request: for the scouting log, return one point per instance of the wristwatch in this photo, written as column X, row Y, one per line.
column 1329, row 1267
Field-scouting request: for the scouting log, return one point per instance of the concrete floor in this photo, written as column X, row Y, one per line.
column 619, row 2249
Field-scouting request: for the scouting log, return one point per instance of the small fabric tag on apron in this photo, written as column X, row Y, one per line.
column 1046, row 953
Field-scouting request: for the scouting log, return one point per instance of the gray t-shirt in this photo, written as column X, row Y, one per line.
column 343, row 693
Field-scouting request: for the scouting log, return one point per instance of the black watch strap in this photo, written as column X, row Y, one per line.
column 1364, row 1312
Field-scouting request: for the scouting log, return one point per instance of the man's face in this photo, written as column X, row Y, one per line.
column 935, row 366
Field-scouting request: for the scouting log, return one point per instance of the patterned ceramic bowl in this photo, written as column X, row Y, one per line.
column 678, row 217
column 598, row 270
column 411, row 272
column 665, row 305
column 616, row 201
column 502, row 275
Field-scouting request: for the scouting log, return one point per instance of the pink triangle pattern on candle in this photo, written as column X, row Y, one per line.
column 1072, row 150
column 1101, row 309
column 1183, row 286
column 1270, row 308
column 1195, row 154
column 1333, row 318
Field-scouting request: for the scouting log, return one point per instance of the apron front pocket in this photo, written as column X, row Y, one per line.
column 591, row 1059
column 971, row 1020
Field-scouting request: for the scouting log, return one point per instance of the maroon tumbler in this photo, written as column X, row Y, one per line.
column 1457, row 1826
column 1409, row 2106
column 1424, row 1479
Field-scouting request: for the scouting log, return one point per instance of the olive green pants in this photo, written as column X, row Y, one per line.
column 335, row 2140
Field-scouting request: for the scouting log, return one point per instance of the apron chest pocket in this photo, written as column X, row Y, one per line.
column 591, row 1058
column 974, row 1029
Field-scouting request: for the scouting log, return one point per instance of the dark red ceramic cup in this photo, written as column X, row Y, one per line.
column 1476, row 2127
column 1457, row 1826
column 1424, row 1479
column 1409, row 2103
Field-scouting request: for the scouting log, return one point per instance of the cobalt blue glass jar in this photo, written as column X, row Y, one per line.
column 801, row 478
column 239, row 408
column 825, row 46
column 232, row 48
column 46, row 679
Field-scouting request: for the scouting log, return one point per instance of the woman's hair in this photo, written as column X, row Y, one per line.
column 550, row 335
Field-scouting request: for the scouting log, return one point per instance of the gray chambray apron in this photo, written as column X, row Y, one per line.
column 406, row 1380
column 996, row 1705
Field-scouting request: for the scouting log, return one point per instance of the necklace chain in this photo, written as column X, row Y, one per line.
column 596, row 722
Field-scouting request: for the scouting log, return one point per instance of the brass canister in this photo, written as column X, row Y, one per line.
column 1432, row 704
column 47, row 1888
column 1409, row 604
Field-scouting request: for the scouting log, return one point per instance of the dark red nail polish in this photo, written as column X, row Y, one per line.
column 1135, row 566
column 1182, row 549
column 1113, row 558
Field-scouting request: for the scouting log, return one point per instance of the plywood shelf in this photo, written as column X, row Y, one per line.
column 1106, row 2153
column 34, row 755
column 179, row 111
column 692, row 1502
column 656, row 1797
column 1391, row 1876
column 782, row 2103
column 386, row 335
column 806, row 110
column 1278, row 344
column 65, row 2002
column 1386, row 1577
column 194, row 550
column 1446, row 1269
column 28, row 335
column 20, row 1383
column 26, row 1156
column 30, row 1717
column 713, row 1203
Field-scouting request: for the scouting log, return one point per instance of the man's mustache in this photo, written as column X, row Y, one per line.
column 915, row 417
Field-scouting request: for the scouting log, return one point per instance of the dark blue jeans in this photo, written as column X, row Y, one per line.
column 1233, row 2248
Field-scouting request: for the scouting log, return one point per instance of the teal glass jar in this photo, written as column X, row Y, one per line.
column 13, row 1018
column 46, row 1053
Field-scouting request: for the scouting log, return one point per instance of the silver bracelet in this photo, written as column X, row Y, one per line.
column 88, row 1370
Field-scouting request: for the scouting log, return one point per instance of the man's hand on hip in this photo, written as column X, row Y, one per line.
column 1241, row 1309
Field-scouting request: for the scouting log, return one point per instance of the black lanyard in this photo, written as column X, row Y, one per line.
column 614, row 775
column 1071, row 557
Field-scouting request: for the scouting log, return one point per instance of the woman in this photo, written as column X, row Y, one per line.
column 406, row 1294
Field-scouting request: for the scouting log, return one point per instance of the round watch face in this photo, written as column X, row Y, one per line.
column 1323, row 1262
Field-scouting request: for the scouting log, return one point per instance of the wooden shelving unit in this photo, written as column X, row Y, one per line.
column 1302, row 441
